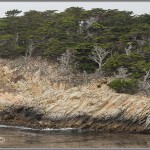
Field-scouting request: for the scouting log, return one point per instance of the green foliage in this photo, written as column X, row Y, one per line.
column 6, row 37
column 52, row 33
column 82, row 52
column 139, row 69
column 126, row 61
column 12, row 13
column 124, row 85
column 96, row 25
column 55, row 49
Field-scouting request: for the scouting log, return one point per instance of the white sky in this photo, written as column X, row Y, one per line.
column 136, row 7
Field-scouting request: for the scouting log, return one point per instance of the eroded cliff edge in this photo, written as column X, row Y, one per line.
column 28, row 98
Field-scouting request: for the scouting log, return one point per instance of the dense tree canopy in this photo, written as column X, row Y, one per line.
column 125, row 36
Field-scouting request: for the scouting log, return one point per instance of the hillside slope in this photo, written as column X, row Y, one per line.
column 36, row 100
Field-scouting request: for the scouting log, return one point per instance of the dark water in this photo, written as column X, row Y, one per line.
column 70, row 138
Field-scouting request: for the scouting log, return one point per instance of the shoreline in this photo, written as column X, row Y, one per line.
column 112, row 125
column 44, row 129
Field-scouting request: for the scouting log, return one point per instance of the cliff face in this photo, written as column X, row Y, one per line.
column 36, row 101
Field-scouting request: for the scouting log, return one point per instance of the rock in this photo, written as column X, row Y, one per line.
column 17, row 78
column 76, row 95
column 37, row 76
column 49, row 97
column 8, row 117
column 2, row 139
column 62, row 86
column 7, row 70
column 147, row 123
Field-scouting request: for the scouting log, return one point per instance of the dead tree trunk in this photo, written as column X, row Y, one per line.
column 29, row 51
column 146, row 84
column 128, row 48
column 98, row 55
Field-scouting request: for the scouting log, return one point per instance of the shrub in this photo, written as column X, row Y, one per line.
column 129, row 86
column 98, row 86
column 112, row 64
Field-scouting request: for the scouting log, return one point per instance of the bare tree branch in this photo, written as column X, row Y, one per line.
column 66, row 60
column 146, row 83
column 128, row 48
column 121, row 73
column 29, row 51
column 17, row 38
column 98, row 55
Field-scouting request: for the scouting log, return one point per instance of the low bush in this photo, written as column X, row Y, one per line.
column 129, row 86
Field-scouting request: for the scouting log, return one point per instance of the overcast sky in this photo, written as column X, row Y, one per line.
column 136, row 7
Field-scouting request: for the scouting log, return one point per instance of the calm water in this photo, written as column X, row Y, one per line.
column 69, row 138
